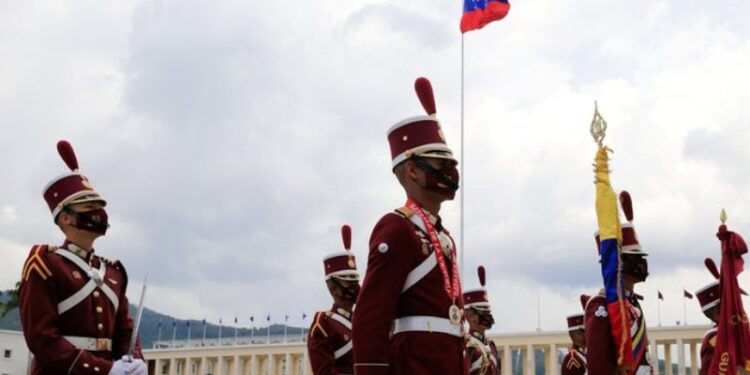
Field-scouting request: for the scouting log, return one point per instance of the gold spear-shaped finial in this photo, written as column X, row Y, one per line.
column 598, row 126
column 723, row 216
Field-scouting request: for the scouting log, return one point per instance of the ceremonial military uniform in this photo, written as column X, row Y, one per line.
column 72, row 302
column 708, row 298
column 329, row 345
column 615, row 325
column 574, row 362
column 408, row 316
column 481, row 354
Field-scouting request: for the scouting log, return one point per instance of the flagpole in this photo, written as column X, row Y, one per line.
column 203, row 342
column 188, row 339
column 221, row 324
column 684, row 307
column 658, row 309
column 174, row 333
column 463, row 161
column 286, row 323
column 159, row 335
column 235, row 331
column 252, row 330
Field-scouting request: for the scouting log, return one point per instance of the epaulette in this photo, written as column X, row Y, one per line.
column 35, row 263
column 317, row 326
column 405, row 212
column 114, row 263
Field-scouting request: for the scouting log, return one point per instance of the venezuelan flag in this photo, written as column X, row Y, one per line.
column 478, row 13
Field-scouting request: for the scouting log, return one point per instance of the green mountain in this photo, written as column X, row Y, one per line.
column 152, row 322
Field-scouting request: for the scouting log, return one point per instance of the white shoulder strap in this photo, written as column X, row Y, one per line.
column 423, row 268
column 87, row 288
column 344, row 321
column 340, row 352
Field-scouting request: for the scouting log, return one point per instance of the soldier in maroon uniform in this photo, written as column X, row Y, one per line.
column 574, row 362
column 330, row 343
column 72, row 302
column 408, row 319
column 601, row 349
column 708, row 297
column 481, row 353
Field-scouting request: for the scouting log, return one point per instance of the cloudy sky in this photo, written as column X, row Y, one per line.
column 234, row 138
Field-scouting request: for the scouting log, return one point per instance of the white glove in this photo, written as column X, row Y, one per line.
column 129, row 366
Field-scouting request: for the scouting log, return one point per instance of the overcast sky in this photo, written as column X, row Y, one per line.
column 232, row 139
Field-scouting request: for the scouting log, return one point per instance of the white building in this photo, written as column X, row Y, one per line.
column 675, row 346
column 15, row 357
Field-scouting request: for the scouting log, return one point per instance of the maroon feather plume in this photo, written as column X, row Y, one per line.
column 67, row 154
column 423, row 87
column 584, row 300
column 346, row 235
column 712, row 267
column 627, row 205
column 482, row 276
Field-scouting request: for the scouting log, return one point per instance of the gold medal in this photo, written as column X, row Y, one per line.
column 454, row 315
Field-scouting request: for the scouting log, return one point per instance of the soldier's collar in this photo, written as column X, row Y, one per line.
column 342, row 312
column 77, row 250
column 478, row 335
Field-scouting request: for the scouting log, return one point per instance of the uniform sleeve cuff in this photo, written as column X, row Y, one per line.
column 370, row 369
column 88, row 364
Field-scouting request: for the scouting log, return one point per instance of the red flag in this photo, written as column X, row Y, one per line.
column 661, row 297
column 478, row 13
column 687, row 294
column 733, row 335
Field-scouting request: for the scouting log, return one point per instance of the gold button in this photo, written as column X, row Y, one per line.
column 100, row 326
column 99, row 309
column 86, row 365
column 96, row 293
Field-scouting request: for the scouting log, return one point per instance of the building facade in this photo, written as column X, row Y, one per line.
column 14, row 355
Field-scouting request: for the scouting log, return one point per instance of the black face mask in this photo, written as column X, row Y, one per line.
column 349, row 293
column 443, row 181
column 486, row 319
column 635, row 265
column 93, row 221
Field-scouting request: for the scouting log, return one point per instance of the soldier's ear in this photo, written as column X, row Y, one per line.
column 411, row 170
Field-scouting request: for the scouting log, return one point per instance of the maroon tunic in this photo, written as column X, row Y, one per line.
column 481, row 355
column 48, row 279
column 329, row 345
column 601, row 354
column 398, row 246
column 574, row 362
column 707, row 350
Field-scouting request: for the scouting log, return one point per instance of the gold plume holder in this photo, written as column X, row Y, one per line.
column 598, row 126
column 723, row 216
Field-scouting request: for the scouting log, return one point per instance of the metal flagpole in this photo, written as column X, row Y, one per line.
column 221, row 324
column 159, row 334
column 684, row 307
column 463, row 161
column 235, row 330
column 658, row 309
column 188, row 337
column 203, row 341
column 174, row 333
column 286, row 323
column 252, row 329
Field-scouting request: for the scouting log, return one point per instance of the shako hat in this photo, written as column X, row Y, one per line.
column 477, row 298
column 342, row 264
column 419, row 135
column 69, row 188
column 575, row 321
column 709, row 295
column 630, row 243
